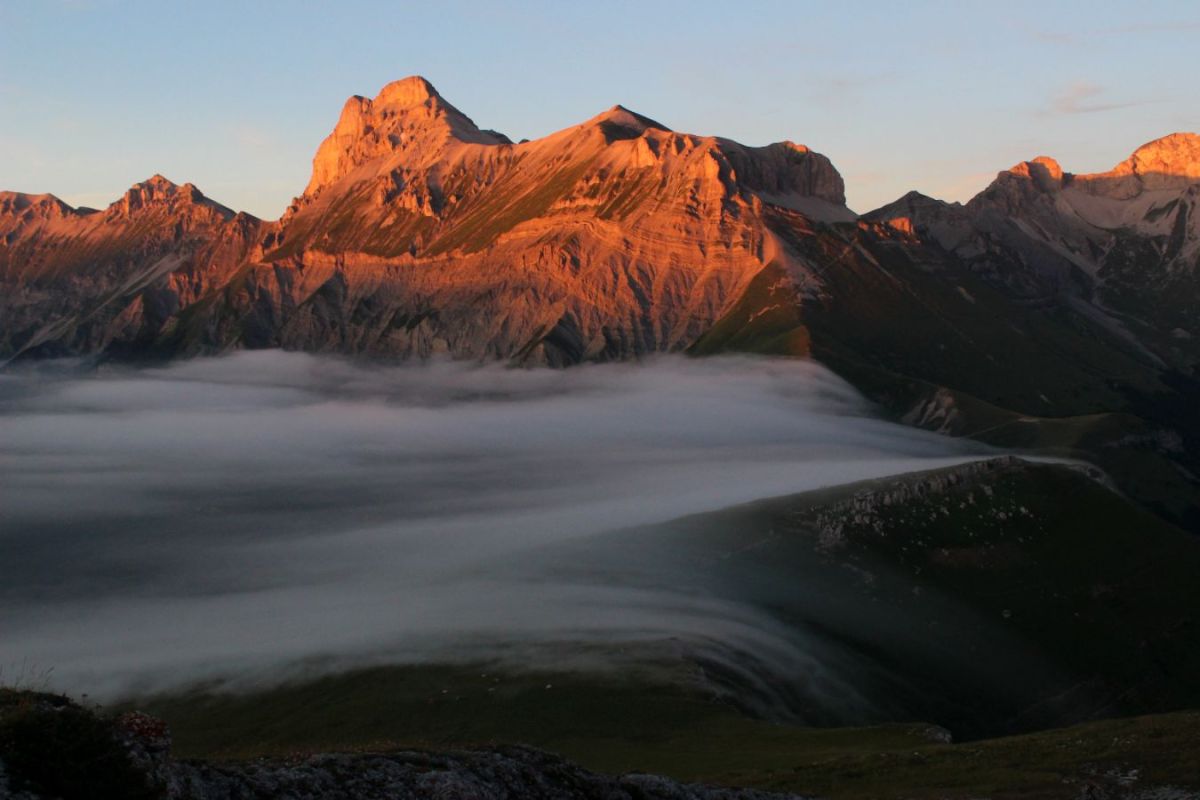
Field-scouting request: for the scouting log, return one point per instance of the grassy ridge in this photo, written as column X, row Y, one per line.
column 619, row 726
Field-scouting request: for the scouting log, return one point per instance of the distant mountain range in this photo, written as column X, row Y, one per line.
column 1055, row 312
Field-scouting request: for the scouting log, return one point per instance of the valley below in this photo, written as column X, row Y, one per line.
column 727, row 571
column 166, row 524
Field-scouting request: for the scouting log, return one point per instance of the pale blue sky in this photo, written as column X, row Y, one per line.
column 937, row 96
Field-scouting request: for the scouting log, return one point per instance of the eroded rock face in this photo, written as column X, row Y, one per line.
column 407, row 117
column 1172, row 162
column 420, row 234
column 78, row 281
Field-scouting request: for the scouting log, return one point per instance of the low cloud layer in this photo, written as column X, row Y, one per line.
column 240, row 514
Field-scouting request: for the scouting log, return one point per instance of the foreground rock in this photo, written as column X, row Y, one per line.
column 500, row 773
column 53, row 748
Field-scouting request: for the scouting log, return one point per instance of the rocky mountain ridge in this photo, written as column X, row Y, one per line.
column 1127, row 239
column 1047, row 296
column 632, row 237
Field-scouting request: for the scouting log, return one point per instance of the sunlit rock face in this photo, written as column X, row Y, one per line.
column 420, row 234
column 1169, row 163
column 85, row 281
column 609, row 239
column 407, row 117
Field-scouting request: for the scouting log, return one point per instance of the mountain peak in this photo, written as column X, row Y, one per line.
column 620, row 122
column 1051, row 167
column 1174, row 159
column 155, row 188
column 406, row 92
column 626, row 116
column 1044, row 171
column 406, row 116
column 161, row 191
column 1020, row 184
column 911, row 203
column 16, row 207
column 1177, row 151
column 1169, row 162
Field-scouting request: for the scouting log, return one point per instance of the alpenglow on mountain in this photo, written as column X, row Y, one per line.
column 1053, row 311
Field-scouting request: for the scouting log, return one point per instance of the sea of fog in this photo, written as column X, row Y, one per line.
column 240, row 514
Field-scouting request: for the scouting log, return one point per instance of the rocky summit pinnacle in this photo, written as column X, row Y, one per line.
column 620, row 117
column 407, row 116
column 410, row 91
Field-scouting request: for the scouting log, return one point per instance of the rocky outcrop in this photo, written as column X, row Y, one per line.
column 868, row 509
column 52, row 748
column 407, row 118
column 20, row 211
column 1169, row 163
column 185, row 203
column 496, row 773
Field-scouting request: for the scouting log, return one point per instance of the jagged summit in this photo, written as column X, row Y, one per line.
column 1045, row 173
column 916, row 214
column 406, row 173
column 17, row 210
column 1045, row 167
column 408, row 141
column 622, row 117
column 160, row 191
column 156, row 187
column 911, row 203
column 13, row 202
column 1170, row 162
column 1042, row 172
column 411, row 91
column 1176, row 153
column 407, row 116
